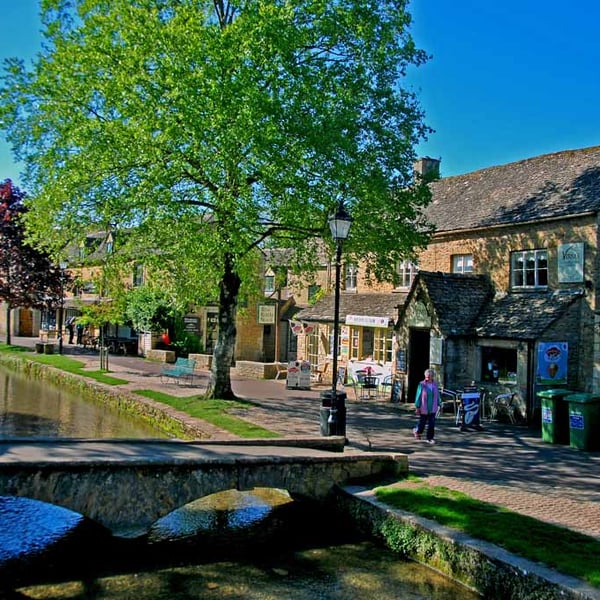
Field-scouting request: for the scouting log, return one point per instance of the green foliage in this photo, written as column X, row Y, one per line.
column 185, row 342
column 579, row 554
column 207, row 130
column 212, row 134
column 148, row 309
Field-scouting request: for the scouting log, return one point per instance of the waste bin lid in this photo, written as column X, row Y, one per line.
column 582, row 398
column 555, row 393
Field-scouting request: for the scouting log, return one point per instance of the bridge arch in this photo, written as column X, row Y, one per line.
column 128, row 495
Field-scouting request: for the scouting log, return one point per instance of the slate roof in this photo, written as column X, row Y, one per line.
column 523, row 316
column 551, row 185
column 456, row 298
column 371, row 304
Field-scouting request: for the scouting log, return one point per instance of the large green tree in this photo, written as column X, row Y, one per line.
column 209, row 128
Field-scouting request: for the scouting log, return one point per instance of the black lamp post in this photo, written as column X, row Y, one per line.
column 339, row 223
column 61, row 314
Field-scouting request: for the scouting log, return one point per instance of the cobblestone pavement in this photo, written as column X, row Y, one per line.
column 508, row 465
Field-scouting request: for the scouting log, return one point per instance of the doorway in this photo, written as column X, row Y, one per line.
column 418, row 359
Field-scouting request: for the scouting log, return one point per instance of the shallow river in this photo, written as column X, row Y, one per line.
column 234, row 545
column 35, row 408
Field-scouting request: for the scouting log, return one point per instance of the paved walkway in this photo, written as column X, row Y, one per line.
column 508, row 465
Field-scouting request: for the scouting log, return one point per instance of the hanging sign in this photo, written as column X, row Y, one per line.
column 266, row 314
column 570, row 263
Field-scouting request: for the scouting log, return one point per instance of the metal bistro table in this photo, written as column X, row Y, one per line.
column 369, row 385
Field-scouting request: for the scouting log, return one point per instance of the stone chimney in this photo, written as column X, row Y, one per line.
column 427, row 167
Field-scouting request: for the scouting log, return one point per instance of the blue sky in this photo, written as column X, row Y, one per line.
column 508, row 79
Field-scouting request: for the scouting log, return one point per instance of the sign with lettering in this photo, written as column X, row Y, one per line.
column 191, row 324
column 367, row 321
column 570, row 263
column 266, row 314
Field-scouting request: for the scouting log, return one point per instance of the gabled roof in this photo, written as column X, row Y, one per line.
column 552, row 185
column 456, row 298
column 523, row 316
column 373, row 305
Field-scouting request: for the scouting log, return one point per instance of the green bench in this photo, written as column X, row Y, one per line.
column 184, row 368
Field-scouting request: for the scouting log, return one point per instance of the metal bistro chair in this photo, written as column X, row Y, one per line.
column 504, row 404
column 449, row 398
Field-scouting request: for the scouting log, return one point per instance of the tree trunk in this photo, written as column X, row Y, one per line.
column 8, row 309
column 229, row 288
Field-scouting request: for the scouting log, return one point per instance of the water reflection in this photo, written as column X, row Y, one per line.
column 228, row 546
column 36, row 408
column 344, row 572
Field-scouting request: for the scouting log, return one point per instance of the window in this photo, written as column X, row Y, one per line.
column 462, row 263
column 355, row 343
column 269, row 284
column 312, row 346
column 138, row 275
column 406, row 271
column 529, row 269
column 382, row 345
column 351, row 281
column 499, row 365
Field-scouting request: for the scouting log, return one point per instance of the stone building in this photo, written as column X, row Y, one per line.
column 505, row 294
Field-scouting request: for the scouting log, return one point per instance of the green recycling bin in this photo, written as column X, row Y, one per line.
column 555, row 415
column 584, row 421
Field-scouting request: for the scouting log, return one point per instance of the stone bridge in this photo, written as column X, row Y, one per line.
column 127, row 485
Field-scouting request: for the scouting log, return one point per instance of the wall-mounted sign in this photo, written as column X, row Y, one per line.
column 266, row 314
column 191, row 324
column 570, row 263
column 367, row 321
column 552, row 363
column 435, row 351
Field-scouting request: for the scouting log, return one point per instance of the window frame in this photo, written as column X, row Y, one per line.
column 458, row 263
column 406, row 271
column 532, row 273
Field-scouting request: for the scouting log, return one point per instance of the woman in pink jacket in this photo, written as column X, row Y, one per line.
column 426, row 404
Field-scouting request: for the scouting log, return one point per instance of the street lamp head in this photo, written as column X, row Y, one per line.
column 63, row 265
column 339, row 223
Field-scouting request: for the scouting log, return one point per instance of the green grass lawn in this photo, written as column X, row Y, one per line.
column 213, row 411
column 566, row 551
column 64, row 363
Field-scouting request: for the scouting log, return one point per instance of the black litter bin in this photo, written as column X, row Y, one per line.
column 555, row 415
column 584, row 421
column 333, row 413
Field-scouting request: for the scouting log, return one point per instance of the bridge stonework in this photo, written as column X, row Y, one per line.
column 127, row 490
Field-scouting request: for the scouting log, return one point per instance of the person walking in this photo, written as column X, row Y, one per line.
column 426, row 405
column 71, row 328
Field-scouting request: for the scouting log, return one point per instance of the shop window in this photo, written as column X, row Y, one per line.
column 406, row 272
column 382, row 345
column 529, row 269
column 351, row 279
column 355, row 343
column 312, row 346
column 462, row 263
column 499, row 365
